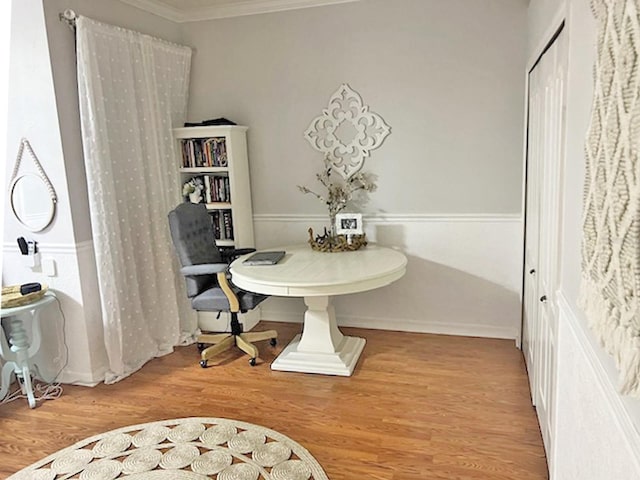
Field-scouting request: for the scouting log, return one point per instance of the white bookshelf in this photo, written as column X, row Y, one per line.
column 237, row 171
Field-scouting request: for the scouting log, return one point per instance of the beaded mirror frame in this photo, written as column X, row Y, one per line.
column 32, row 196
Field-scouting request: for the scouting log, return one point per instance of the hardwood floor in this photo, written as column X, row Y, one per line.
column 417, row 407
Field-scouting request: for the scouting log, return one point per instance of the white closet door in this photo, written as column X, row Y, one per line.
column 530, row 310
column 544, row 173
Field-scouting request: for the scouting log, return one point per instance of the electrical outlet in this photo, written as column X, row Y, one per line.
column 49, row 267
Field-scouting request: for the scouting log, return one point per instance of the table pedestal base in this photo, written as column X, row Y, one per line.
column 341, row 362
column 18, row 351
column 321, row 348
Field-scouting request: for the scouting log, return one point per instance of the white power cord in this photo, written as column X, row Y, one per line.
column 41, row 391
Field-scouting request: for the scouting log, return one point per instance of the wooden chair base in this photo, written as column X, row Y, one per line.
column 220, row 342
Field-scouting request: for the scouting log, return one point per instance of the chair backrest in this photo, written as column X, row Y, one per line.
column 195, row 242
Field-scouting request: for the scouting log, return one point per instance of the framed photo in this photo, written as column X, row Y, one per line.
column 349, row 224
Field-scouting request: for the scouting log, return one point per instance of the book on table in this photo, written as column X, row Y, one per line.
column 264, row 258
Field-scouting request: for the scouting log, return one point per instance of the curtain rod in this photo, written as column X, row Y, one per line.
column 69, row 17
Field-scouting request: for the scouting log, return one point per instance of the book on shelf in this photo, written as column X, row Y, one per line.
column 229, row 225
column 222, row 224
column 222, row 192
column 207, row 188
column 204, row 152
column 218, row 206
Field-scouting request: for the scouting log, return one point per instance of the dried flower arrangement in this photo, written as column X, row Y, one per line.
column 193, row 189
column 339, row 194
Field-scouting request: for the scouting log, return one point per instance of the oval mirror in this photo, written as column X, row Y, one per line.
column 31, row 202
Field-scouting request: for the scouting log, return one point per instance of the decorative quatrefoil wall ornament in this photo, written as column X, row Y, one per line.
column 347, row 131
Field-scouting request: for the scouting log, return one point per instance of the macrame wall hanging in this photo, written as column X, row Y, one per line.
column 610, row 290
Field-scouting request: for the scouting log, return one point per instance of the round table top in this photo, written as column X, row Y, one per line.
column 48, row 297
column 304, row 272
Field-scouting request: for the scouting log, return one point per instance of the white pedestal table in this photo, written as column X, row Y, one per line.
column 317, row 276
column 17, row 351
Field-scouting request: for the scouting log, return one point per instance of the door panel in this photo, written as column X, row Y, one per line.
column 545, row 155
column 531, row 237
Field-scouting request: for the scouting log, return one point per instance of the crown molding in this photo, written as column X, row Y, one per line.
column 158, row 8
column 227, row 9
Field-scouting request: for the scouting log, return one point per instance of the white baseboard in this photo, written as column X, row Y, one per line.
column 83, row 379
column 401, row 325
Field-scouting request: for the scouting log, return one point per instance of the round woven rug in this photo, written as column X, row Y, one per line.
column 181, row 449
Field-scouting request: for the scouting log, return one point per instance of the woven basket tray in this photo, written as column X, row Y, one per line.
column 339, row 243
column 11, row 296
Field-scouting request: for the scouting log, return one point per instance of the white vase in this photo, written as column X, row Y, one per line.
column 195, row 197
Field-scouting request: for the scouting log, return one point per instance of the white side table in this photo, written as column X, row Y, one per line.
column 18, row 350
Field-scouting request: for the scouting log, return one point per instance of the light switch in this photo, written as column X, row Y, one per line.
column 49, row 267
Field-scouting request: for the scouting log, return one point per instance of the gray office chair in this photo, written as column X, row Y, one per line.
column 204, row 267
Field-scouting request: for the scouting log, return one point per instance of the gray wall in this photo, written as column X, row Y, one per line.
column 446, row 75
column 539, row 18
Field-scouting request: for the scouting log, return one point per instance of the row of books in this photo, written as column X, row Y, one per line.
column 222, row 224
column 204, row 152
column 216, row 188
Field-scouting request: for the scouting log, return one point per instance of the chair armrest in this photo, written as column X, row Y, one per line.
column 203, row 269
column 232, row 254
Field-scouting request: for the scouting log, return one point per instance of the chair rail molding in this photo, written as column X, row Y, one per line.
column 12, row 247
column 395, row 217
column 75, row 280
column 224, row 8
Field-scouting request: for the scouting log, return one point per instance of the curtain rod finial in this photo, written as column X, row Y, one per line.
column 68, row 16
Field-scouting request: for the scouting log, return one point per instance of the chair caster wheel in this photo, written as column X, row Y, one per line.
column 201, row 347
column 203, row 363
column 252, row 362
column 273, row 342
